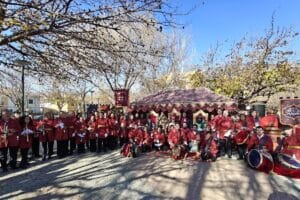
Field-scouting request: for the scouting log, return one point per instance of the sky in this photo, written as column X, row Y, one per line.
column 227, row 21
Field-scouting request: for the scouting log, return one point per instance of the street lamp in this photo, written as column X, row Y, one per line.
column 22, row 63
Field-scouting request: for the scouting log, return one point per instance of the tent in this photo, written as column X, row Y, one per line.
column 184, row 99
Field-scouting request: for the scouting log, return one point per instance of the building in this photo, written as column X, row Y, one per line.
column 32, row 103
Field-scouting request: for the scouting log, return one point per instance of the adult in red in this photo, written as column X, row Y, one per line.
column 4, row 140
column 93, row 135
column 173, row 136
column 185, row 131
column 270, row 120
column 241, row 135
column 70, row 122
column 158, row 138
column 113, row 125
column 61, row 135
column 46, row 135
column 193, row 141
column 81, row 134
column 13, row 132
column 261, row 141
column 208, row 147
column 25, row 140
column 102, row 128
column 224, row 128
column 136, row 137
column 123, row 131
column 147, row 140
column 252, row 120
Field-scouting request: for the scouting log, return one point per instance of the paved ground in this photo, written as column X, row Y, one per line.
column 151, row 176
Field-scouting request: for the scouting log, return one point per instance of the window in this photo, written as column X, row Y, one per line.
column 30, row 101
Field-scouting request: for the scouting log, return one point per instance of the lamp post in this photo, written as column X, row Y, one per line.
column 22, row 64
column 92, row 91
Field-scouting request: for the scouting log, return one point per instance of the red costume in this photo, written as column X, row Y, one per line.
column 184, row 134
column 102, row 124
column 61, row 132
column 173, row 137
column 136, row 135
column 81, row 132
column 47, row 130
column 122, row 130
column 13, row 132
column 147, row 139
column 209, row 144
column 223, row 125
column 269, row 121
column 92, row 128
column 263, row 142
column 113, row 125
column 158, row 137
column 25, row 138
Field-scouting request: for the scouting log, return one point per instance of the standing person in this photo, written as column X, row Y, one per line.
column 102, row 127
column 61, row 136
column 25, row 140
column 81, row 134
column 193, row 141
column 147, row 140
column 70, row 122
column 123, row 131
column 35, row 143
column 13, row 132
column 201, row 124
column 93, row 135
column 184, row 135
column 113, row 125
column 4, row 141
column 224, row 128
column 252, row 120
column 241, row 135
column 158, row 138
column 173, row 136
column 208, row 147
column 46, row 135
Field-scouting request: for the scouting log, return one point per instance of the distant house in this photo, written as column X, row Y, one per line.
column 32, row 103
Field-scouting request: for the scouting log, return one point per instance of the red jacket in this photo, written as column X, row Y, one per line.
column 147, row 138
column 269, row 121
column 174, row 137
column 136, row 135
column 102, row 127
column 212, row 147
column 47, row 130
column 92, row 129
column 113, row 125
column 70, row 123
column 260, row 143
column 81, row 132
column 224, row 124
column 184, row 134
column 193, row 136
column 158, row 137
column 14, row 128
column 61, row 132
column 25, row 141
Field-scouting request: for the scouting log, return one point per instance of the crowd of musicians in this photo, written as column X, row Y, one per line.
column 205, row 139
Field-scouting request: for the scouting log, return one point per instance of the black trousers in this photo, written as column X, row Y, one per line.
column 102, row 144
column 80, row 148
column 123, row 140
column 242, row 150
column 24, row 155
column 60, row 148
column 3, row 158
column 65, row 147
column 36, row 147
column 13, row 152
column 72, row 144
column 208, row 156
column 48, row 148
column 228, row 147
column 93, row 146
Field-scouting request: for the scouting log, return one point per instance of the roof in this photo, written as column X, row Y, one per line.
column 183, row 99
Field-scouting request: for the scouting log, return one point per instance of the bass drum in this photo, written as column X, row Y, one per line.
column 241, row 137
column 261, row 161
column 288, row 161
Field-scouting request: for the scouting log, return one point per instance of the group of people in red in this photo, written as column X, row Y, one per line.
column 204, row 139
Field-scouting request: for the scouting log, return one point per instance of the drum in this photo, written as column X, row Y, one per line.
column 288, row 161
column 261, row 161
column 126, row 150
column 241, row 137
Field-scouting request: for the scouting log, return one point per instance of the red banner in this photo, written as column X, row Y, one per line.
column 290, row 111
column 121, row 97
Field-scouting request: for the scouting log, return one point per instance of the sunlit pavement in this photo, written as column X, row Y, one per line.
column 150, row 176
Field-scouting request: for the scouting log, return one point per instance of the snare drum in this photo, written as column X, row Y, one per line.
column 241, row 137
column 261, row 161
column 288, row 161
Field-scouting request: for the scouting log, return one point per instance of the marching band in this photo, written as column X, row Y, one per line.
column 204, row 140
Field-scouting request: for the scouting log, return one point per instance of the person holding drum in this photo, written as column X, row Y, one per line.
column 241, row 135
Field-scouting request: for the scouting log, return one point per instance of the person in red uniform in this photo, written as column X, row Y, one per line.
column 93, row 135
column 215, row 119
column 208, row 147
column 25, row 139
column 13, row 132
column 270, row 120
column 224, row 129
column 252, row 120
column 81, row 134
column 70, row 122
column 123, row 131
column 113, row 125
column 185, row 131
column 136, row 137
column 147, row 140
column 241, row 133
column 193, row 141
column 4, row 140
column 173, row 136
column 46, row 135
column 61, row 136
column 102, row 128
column 158, row 138
column 261, row 141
